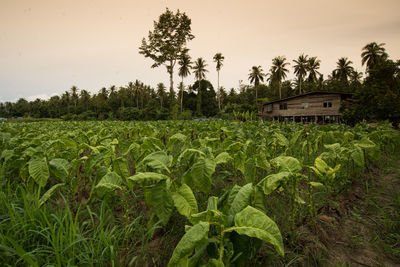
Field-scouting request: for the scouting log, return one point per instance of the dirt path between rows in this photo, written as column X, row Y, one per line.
column 362, row 227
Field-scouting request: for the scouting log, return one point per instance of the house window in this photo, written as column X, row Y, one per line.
column 327, row 104
column 304, row 105
column 283, row 106
column 268, row 108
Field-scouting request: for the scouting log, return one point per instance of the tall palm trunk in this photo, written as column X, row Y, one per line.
column 256, row 87
column 199, row 100
column 182, row 96
column 300, row 80
column 171, row 81
column 280, row 90
column 137, row 97
column 219, row 94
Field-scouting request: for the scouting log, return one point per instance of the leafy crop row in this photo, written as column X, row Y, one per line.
column 217, row 175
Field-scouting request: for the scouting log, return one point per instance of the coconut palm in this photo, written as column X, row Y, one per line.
column 300, row 69
column 84, row 99
column 200, row 73
column 200, row 69
column 131, row 90
column 255, row 76
column 344, row 69
column 312, row 68
column 372, row 54
column 161, row 92
column 218, row 58
column 279, row 71
column 355, row 76
column 74, row 96
column 184, row 70
column 138, row 87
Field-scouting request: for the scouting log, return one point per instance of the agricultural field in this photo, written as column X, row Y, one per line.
column 176, row 193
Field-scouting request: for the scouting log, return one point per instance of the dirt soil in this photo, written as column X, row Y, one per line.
column 349, row 231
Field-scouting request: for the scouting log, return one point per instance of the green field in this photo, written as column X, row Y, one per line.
column 183, row 193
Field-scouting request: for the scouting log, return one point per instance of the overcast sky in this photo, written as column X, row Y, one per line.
column 47, row 46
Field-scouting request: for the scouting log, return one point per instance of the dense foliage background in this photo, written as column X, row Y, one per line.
column 376, row 97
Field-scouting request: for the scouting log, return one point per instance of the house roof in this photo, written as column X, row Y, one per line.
column 307, row 94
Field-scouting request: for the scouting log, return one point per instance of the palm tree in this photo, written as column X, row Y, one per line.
column 218, row 58
column 312, row 68
column 84, row 98
column 74, row 96
column 200, row 69
column 130, row 88
column 300, row 69
column 200, row 74
column 161, row 92
column 138, row 86
column 184, row 70
column 279, row 71
column 372, row 54
column 65, row 99
column 344, row 69
column 255, row 76
column 355, row 76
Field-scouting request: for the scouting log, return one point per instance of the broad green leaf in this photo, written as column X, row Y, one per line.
column 146, row 178
column 365, row 143
column 162, row 201
column 234, row 147
column 321, row 165
column 120, row 166
column 250, row 170
column 281, row 139
column 190, row 240
column 200, row 174
column 91, row 162
column 358, row 156
column 272, row 181
column 223, row 157
column 178, row 137
column 60, row 168
column 39, row 171
column 239, row 161
column 48, row 194
column 133, row 150
column 212, row 203
column 259, row 198
column 335, row 148
column 331, row 172
column 108, row 183
column 231, row 196
column 255, row 223
column 156, row 161
column 7, row 154
column 242, row 199
column 190, row 154
column 287, row 164
column 317, row 172
column 151, row 144
column 316, row 184
column 211, row 216
column 184, row 201
column 262, row 162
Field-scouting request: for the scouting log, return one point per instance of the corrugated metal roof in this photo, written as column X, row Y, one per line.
column 309, row 93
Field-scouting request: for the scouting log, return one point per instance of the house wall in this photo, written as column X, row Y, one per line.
column 315, row 106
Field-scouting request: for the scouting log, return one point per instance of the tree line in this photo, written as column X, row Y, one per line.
column 166, row 46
